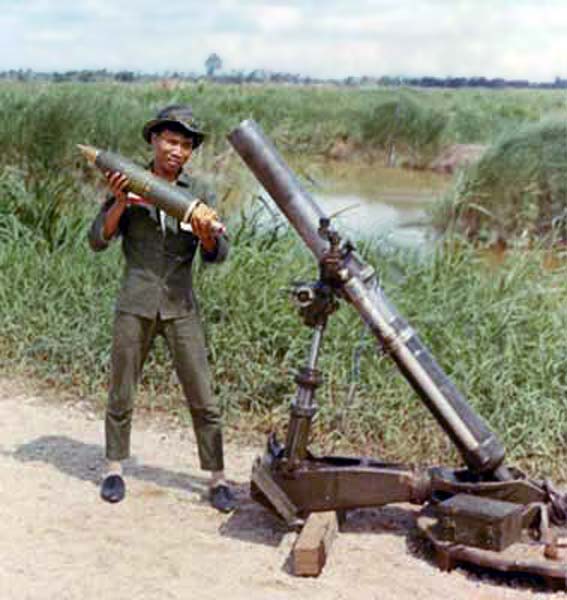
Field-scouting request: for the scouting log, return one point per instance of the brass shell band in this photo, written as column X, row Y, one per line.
column 190, row 209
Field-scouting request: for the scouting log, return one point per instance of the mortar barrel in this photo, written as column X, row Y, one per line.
column 479, row 447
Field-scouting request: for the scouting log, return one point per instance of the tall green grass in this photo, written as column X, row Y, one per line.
column 43, row 122
column 499, row 333
column 408, row 123
column 518, row 189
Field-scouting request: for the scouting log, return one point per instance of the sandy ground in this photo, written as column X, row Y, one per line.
column 59, row 540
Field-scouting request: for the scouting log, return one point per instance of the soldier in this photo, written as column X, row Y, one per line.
column 156, row 298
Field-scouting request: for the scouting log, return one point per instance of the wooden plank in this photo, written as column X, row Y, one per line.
column 313, row 544
column 262, row 477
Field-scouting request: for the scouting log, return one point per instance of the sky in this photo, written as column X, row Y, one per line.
column 514, row 39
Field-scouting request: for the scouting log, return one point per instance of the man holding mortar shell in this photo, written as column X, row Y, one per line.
column 156, row 297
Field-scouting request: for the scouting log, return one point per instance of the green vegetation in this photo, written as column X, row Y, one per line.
column 518, row 189
column 499, row 332
column 409, row 125
column 44, row 122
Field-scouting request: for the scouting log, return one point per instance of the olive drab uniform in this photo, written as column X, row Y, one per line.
column 156, row 298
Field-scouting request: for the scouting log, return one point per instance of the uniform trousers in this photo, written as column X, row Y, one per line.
column 132, row 339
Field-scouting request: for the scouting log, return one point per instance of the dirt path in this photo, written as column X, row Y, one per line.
column 58, row 540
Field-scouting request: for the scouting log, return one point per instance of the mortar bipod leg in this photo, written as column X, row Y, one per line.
column 303, row 407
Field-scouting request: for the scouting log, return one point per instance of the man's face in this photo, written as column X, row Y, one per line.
column 172, row 150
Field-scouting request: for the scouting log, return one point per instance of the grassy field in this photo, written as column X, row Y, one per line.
column 498, row 330
column 517, row 191
column 299, row 120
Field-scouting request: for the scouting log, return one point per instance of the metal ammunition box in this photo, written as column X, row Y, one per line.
column 480, row 522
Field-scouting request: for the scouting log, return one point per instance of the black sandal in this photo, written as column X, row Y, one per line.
column 113, row 488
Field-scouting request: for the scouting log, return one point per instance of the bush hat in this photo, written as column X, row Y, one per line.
column 180, row 117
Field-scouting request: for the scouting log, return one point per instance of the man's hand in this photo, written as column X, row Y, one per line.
column 118, row 184
column 205, row 224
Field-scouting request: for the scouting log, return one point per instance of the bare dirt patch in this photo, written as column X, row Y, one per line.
column 59, row 540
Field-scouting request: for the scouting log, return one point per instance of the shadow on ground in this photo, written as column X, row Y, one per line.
column 86, row 462
column 250, row 522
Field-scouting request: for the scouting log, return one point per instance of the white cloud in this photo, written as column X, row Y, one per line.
column 507, row 38
column 51, row 36
column 278, row 18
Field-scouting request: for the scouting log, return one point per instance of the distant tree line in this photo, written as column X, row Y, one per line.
column 264, row 76
column 458, row 82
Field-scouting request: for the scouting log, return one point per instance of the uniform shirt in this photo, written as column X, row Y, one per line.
column 159, row 258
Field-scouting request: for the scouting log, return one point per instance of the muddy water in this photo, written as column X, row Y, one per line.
column 377, row 202
column 373, row 201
